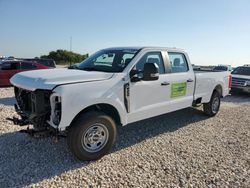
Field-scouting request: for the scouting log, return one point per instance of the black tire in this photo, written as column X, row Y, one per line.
column 208, row 107
column 79, row 133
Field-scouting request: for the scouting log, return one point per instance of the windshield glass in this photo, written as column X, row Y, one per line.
column 108, row 60
column 242, row 71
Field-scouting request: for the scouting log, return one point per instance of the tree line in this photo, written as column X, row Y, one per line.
column 65, row 57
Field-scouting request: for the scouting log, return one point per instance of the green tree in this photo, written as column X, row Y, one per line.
column 65, row 57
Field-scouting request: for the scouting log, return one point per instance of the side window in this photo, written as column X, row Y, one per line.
column 6, row 66
column 178, row 62
column 151, row 57
column 27, row 66
column 10, row 66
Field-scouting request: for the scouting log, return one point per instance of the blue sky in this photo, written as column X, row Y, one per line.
column 212, row 32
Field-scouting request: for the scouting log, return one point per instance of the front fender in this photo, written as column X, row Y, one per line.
column 77, row 97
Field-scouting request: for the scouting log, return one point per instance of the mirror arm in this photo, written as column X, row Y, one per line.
column 135, row 79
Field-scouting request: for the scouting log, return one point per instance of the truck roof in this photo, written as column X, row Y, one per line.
column 146, row 47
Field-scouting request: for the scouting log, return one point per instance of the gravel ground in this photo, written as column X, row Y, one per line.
column 181, row 149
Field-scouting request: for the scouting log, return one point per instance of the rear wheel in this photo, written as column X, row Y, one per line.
column 212, row 108
column 91, row 136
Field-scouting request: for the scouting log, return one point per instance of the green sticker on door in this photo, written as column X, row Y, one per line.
column 178, row 89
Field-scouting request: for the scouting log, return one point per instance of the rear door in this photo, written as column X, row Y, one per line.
column 182, row 81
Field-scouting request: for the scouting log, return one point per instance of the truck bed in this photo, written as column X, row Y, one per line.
column 204, row 71
column 206, row 81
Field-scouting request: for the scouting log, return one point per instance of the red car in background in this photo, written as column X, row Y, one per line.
column 9, row 68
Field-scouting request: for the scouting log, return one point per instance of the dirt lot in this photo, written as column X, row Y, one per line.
column 181, row 149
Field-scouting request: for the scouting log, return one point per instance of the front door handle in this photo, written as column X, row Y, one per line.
column 165, row 84
column 190, row 80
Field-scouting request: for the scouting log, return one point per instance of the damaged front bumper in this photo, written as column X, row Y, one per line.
column 40, row 108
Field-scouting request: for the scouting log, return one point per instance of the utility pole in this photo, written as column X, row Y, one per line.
column 70, row 43
column 70, row 47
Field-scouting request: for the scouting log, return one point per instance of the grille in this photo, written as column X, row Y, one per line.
column 239, row 81
column 33, row 102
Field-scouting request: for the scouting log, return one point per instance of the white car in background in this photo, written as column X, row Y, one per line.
column 241, row 79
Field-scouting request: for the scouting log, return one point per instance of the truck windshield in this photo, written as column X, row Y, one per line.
column 242, row 71
column 108, row 60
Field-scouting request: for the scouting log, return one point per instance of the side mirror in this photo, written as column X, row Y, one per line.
column 151, row 72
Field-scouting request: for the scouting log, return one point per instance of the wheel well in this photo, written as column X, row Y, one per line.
column 218, row 88
column 105, row 108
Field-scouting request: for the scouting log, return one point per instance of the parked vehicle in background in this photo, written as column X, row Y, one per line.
column 223, row 68
column 7, row 58
column 241, row 79
column 9, row 68
column 115, row 86
column 46, row 62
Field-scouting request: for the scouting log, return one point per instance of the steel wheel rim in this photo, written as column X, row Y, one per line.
column 215, row 105
column 95, row 138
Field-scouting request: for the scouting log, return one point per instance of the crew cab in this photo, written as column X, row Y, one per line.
column 115, row 86
column 241, row 79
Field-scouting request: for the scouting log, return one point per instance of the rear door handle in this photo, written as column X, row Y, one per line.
column 165, row 83
column 190, row 80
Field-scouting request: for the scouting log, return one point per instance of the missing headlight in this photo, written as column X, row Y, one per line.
column 56, row 109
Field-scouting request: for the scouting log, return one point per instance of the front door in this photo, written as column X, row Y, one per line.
column 148, row 98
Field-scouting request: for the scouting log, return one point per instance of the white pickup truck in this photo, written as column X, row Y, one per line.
column 113, row 87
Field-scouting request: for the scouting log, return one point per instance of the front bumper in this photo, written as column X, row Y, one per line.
column 244, row 89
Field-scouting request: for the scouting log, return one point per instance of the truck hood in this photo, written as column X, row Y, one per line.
column 50, row 78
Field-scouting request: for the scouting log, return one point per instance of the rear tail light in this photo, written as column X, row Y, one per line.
column 230, row 81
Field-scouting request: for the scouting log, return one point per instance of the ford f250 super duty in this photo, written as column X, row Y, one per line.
column 113, row 87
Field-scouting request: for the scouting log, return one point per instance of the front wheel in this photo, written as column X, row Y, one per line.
column 212, row 108
column 91, row 136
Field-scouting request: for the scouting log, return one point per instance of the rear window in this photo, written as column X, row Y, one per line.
column 46, row 62
column 242, row 71
column 27, row 66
